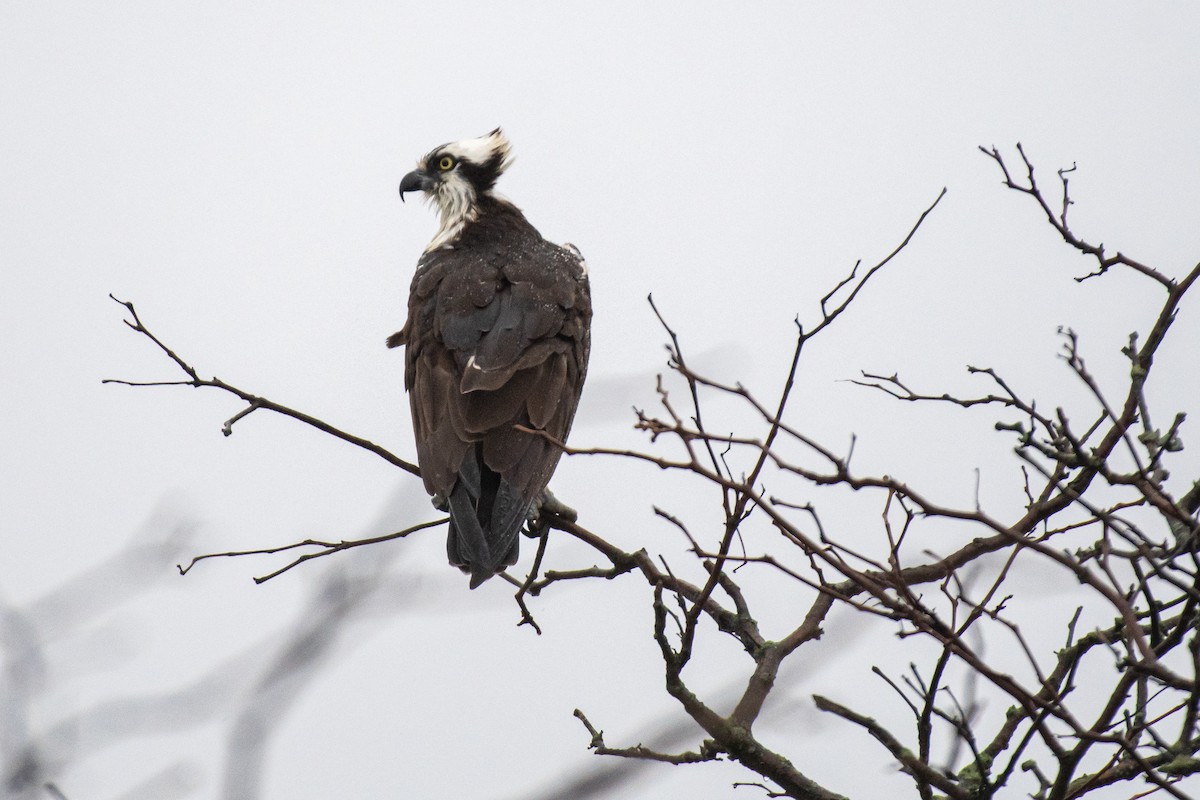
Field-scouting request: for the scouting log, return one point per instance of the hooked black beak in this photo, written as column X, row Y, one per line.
column 416, row 181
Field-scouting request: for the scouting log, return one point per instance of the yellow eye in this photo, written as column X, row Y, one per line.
column 446, row 163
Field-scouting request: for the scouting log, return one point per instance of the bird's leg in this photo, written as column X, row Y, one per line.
column 552, row 505
column 547, row 503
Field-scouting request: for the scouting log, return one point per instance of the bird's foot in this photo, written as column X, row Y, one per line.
column 547, row 504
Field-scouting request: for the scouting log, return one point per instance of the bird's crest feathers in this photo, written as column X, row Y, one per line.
column 493, row 146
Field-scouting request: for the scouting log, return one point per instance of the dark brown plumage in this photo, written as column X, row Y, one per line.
column 497, row 336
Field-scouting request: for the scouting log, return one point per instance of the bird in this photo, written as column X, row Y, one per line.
column 497, row 340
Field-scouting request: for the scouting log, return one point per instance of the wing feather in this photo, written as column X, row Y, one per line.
column 497, row 336
column 551, row 382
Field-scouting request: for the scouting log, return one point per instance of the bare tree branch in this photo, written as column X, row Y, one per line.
column 254, row 402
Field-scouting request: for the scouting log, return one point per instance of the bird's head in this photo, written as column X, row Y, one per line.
column 469, row 167
column 454, row 176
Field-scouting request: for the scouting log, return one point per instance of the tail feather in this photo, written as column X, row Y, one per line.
column 466, row 544
column 486, row 515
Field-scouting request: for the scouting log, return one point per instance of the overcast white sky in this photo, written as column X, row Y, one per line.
column 232, row 167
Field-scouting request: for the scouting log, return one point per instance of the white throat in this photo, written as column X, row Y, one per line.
column 454, row 195
column 456, row 204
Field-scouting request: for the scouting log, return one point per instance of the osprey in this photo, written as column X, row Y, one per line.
column 497, row 337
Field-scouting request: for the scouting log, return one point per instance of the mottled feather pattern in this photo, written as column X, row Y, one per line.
column 498, row 336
